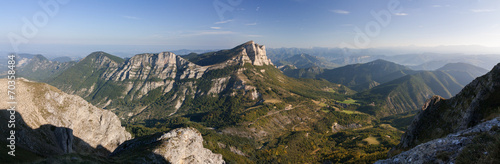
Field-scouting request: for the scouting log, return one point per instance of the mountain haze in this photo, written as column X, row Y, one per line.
column 462, row 129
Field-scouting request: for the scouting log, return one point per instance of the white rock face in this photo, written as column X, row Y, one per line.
column 185, row 145
column 252, row 53
column 256, row 53
column 179, row 146
column 47, row 111
column 164, row 67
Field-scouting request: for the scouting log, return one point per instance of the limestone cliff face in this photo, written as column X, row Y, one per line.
column 252, row 53
column 154, row 71
column 51, row 122
column 183, row 145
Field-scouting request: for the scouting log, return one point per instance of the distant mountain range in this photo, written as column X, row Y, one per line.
column 417, row 60
column 305, row 61
column 392, row 87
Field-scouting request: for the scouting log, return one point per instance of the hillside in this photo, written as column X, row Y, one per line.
column 471, row 115
column 356, row 76
column 464, row 73
column 243, row 105
column 306, row 61
column 39, row 68
column 409, row 92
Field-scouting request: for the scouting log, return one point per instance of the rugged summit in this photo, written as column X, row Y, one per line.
column 256, row 53
column 249, row 52
column 50, row 122
column 182, row 145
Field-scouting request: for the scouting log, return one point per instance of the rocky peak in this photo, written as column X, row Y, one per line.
column 255, row 52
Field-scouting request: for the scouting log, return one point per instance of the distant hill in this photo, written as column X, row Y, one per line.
column 306, row 61
column 62, row 59
column 464, row 73
column 39, row 68
column 365, row 76
column 409, row 92
column 358, row 77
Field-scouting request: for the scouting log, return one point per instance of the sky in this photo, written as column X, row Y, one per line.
column 79, row 27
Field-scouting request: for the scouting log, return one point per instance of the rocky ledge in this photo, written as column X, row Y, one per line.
column 450, row 146
column 182, row 145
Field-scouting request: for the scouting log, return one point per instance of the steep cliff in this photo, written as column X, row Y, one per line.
column 50, row 122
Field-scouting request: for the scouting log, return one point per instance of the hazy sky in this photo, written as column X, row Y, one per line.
column 83, row 26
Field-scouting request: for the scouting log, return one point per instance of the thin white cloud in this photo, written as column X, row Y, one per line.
column 401, row 14
column 254, row 36
column 340, row 11
column 495, row 26
column 257, row 9
column 216, row 28
column 482, row 10
column 224, row 21
column 130, row 17
column 201, row 33
column 251, row 24
column 436, row 6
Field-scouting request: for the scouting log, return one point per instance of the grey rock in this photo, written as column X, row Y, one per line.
column 52, row 122
column 182, row 145
column 450, row 145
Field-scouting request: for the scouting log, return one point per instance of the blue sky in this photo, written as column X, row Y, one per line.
column 82, row 26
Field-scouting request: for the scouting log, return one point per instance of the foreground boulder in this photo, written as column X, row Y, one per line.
column 182, row 145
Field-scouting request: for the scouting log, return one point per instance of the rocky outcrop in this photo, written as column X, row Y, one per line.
column 248, row 52
column 337, row 127
column 256, row 53
column 51, row 122
column 182, row 145
column 446, row 149
column 154, row 71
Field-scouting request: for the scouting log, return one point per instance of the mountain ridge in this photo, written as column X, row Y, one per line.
column 466, row 122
